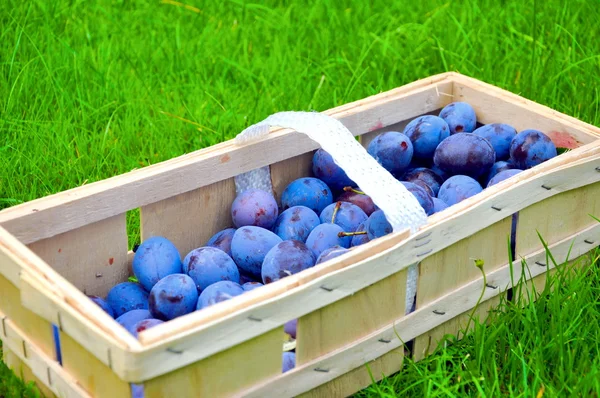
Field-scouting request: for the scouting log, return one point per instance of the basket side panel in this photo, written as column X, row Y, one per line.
column 453, row 267
column 224, row 373
column 283, row 173
column 24, row 372
column 95, row 377
column 344, row 321
column 191, row 218
column 93, row 257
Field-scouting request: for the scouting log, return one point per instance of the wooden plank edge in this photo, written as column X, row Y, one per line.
column 35, row 220
column 392, row 336
column 239, row 326
column 48, row 371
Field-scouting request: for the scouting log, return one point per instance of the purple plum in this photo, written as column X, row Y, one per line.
column 129, row 319
column 348, row 216
column 439, row 205
column 207, row 265
column 173, row 296
column 100, row 302
column 127, row 296
column 325, row 169
column 285, row 259
column 249, row 247
column 330, row 253
column 497, row 168
column 154, row 259
column 422, row 196
column 426, row 132
column 377, row 225
column 248, row 286
column 222, row 240
column 288, row 361
column 358, row 240
column 296, row 223
column 359, row 199
column 218, row 292
column 325, row 236
column 144, row 325
column 392, row 150
column 458, row 188
column 290, row 327
column 308, row 192
column 460, row 116
column 254, row 207
column 465, row 154
column 428, row 176
column 503, row 175
column 499, row 135
column 530, row 148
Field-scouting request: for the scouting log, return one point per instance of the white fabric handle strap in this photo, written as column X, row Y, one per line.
column 401, row 208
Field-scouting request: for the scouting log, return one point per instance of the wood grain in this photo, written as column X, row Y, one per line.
column 93, row 258
column 190, row 219
column 224, row 373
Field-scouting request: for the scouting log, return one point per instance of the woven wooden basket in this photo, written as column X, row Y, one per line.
column 350, row 310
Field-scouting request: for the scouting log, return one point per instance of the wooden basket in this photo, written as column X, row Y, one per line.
column 350, row 310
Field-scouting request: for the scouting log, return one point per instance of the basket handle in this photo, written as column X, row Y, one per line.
column 401, row 208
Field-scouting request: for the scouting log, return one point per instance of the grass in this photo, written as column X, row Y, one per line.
column 90, row 90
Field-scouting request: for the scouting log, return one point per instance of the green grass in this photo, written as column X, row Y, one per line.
column 90, row 90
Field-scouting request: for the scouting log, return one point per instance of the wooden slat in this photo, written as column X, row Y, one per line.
column 286, row 171
column 204, row 333
column 94, row 376
column 190, row 219
column 24, row 372
column 353, row 355
column 93, row 258
column 452, row 268
column 72, row 209
column 347, row 320
column 225, row 373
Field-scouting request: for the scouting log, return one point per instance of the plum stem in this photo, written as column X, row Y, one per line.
column 342, row 234
column 350, row 189
column 335, row 211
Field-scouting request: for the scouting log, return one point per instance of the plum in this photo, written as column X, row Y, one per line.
column 325, row 169
column 309, row 192
column 249, row 247
column 530, row 148
column 173, row 296
column 222, row 240
column 392, row 150
column 458, row 188
column 100, row 302
column 288, row 361
column 247, row 278
column 296, row 223
column 358, row 240
column 503, row 175
column 254, row 207
column 465, row 154
column 330, row 253
column 218, row 292
column 154, row 259
column 348, row 216
column 426, row 132
column 441, row 173
column 326, row 236
column 359, row 199
column 497, row 168
column 137, row 390
column 377, row 225
column 290, row 327
column 428, row 176
column 127, row 296
column 460, row 116
column 438, row 205
column 144, row 324
column 422, row 196
column 248, row 286
column 129, row 319
column 285, row 259
column 207, row 265
column 499, row 135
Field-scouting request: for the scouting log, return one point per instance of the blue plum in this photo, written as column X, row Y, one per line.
column 173, row 296
column 497, row 168
column 207, row 265
column 154, row 259
column 426, row 132
column 144, row 325
column 503, row 175
column 127, row 296
column 330, row 253
column 499, row 135
column 129, row 319
column 249, row 247
column 247, row 278
column 248, row 286
column 439, row 205
column 222, row 240
column 428, row 176
column 137, row 390
column 348, row 216
column 377, row 225
column 325, row 169
column 460, row 116
column 288, row 361
column 285, row 259
column 309, row 192
column 392, row 150
column 441, row 173
column 422, row 196
column 530, row 148
column 218, row 292
column 326, row 236
column 254, row 207
column 100, row 302
column 358, row 240
column 296, row 223
column 359, row 199
column 458, row 188
column 465, row 154
column 290, row 327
